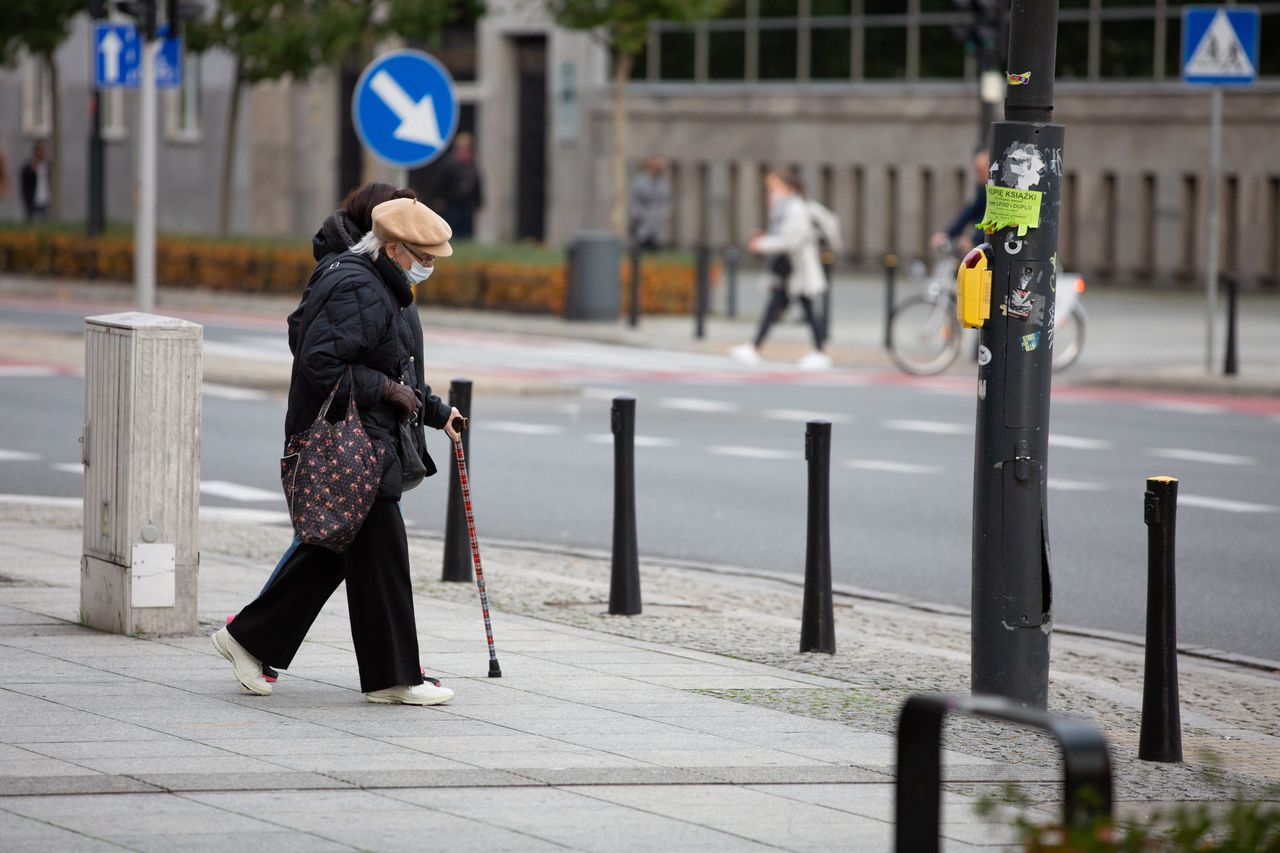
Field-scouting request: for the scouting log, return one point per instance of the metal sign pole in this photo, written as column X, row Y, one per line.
column 1211, row 261
column 144, row 237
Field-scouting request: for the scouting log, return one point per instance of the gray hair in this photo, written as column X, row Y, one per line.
column 369, row 245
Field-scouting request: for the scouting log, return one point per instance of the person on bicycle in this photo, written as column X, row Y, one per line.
column 962, row 232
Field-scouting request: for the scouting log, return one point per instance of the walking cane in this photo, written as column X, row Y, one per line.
column 459, row 424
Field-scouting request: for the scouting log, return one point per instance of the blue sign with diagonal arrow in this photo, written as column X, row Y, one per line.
column 405, row 108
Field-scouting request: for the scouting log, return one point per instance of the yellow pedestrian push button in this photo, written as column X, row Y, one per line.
column 973, row 288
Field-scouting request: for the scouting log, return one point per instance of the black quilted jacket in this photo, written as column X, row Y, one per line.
column 358, row 312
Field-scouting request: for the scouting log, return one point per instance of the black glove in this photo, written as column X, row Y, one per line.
column 402, row 397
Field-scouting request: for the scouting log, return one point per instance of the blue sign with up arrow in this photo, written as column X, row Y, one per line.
column 117, row 58
column 405, row 108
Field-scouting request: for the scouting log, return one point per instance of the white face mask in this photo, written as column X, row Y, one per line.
column 418, row 273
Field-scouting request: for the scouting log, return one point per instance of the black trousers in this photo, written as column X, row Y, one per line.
column 379, row 599
column 777, row 306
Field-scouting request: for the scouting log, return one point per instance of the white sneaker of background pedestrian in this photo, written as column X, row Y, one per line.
column 248, row 668
column 411, row 694
column 745, row 354
column 816, row 361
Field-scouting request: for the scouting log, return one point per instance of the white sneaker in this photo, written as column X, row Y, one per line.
column 411, row 694
column 816, row 360
column 248, row 668
column 745, row 354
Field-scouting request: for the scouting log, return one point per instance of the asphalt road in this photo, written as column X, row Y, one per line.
column 721, row 478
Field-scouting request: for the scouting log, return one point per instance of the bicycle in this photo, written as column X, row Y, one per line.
column 925, row 334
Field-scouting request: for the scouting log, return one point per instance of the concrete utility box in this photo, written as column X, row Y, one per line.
column 594, row 289
column 141, row 473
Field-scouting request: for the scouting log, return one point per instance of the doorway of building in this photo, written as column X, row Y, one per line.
column 531, row 130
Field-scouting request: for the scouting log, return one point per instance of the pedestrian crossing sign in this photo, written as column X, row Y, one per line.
column 1220, row 45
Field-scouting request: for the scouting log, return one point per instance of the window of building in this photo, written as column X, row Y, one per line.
column 1073, row 50
column 777, row 56
column 886, row 53
column 819, row 8
column 37, row 97
column 1269, row 56
column 939, row 58
column 726, row 54
column 831, row 53
column 676, row 55
column 183, row 104
column 1128, row 49
column 115, row 122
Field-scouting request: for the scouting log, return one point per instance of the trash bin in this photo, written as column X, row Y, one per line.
column 594, row 289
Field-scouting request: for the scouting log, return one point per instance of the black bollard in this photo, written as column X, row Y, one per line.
column 1232, row 365
column 890, row 274
column 624, row 584
column 828, row 262
column 731, row 279
column 634, row 319
column 1161, row 736
column 457, row 543
column 703, row 287
column 817, row 621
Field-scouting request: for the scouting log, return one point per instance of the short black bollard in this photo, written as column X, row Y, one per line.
column 634, row 319
column 703, row 291
column 624, row 583
column 457, row 544
column 817, row 621
column 890, row 274
column 1161, row 736
column 731, row 279
column 1232, row 365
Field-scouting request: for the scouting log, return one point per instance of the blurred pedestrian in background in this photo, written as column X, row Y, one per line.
column 649, row 205
column 352, row 322
column 793, row 267
column 462, row 189
column 963, row 232
column 4, row 175
column 35, row 185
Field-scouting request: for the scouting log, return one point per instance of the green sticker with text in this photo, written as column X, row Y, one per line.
column 1007, row 208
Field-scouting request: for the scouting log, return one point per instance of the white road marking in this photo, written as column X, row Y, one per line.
column 695, row 404
column 18, row 456
column 1186, row 407
column 209, row 513
column 518, row 428
column 756, row 452
column 1202, row 502
column 604, row 393
column 68, row 467
column 26, row 371
column 641, row 440
column 1072, row 442
column 932, row 427
column 891, row 467
column 1074, row 486
column 802, row 416
column 237, row 492
column 231, row 392
column 41, row 500
column 1201, row 456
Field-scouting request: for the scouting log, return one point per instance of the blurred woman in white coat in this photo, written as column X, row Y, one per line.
column 793, row 269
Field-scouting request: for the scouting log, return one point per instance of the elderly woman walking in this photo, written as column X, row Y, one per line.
column 352, row 321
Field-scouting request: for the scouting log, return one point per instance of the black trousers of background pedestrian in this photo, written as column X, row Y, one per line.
column 379, row 599
column 778, row 303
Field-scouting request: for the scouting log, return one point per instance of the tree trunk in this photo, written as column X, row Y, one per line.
column 622, row 64
column 55, row 161
column 229, row 153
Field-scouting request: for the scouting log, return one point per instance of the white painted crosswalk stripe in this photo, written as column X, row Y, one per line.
column 68, row 467
column 756, row 452
column 232, row 392
column 237, row 492
column 803, row 416
column 519, row 428
column 1202, row 502
column 931, row 427
column 641, row 440
column 26, row 371
column 18, row 456
column 1210, row 457
column 1186, row 407
column 695, row 404
column 207, row 513
column 891, row 467
column 1072, row 442
column 1074, row 486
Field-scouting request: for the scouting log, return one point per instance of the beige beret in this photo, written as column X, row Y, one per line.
column 406, row 220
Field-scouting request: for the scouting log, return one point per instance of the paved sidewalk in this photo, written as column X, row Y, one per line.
column 604, row 734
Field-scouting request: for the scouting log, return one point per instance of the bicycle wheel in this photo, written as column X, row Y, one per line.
column 924, row 335
column 1068, row 338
